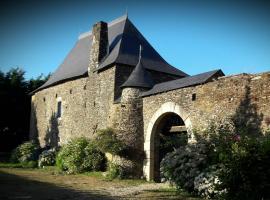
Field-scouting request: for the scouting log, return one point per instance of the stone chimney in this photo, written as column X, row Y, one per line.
column 99, row 47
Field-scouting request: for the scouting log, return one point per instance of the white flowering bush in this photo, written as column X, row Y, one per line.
column 207, row 183
column 80, row 155
column 47, row 158
column 26, row 152
column 184, row 164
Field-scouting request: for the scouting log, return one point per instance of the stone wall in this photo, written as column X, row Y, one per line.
column 121, row 75
column 238, row 96
column 86, row 105
column 128, row 122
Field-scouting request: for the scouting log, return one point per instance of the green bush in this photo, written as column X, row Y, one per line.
column 47, row 158
column 245, row 160
column 80, row 155
column 29, row 164
column 26, row 152
column 114, row 171
column 246, row 173
column 107, row 142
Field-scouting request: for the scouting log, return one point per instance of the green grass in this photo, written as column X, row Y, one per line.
column 100, row 175
column 30, row 165
column 93, row 174
column 10, row 165
column 56, row 171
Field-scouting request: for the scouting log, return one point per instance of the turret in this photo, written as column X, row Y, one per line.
column 131, row 118
column 138, row 81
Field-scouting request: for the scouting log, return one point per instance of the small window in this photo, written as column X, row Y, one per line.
column 44, row 99
column 70, row 91
column 59, row 109
column 193, row 97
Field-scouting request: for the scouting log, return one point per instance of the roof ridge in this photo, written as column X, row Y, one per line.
column 117, row 20
column 121, row 40
column 111, row 23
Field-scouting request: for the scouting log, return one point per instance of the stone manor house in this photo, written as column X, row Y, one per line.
column 113, row 77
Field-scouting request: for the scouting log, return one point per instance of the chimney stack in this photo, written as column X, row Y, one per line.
column 100, row 44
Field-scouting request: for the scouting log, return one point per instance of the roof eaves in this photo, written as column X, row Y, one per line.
column 58, row 82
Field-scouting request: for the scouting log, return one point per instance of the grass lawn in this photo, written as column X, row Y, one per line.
column 48, row 183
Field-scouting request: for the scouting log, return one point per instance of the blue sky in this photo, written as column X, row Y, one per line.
column 192, row 35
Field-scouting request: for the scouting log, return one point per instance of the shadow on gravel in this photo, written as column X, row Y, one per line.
column 16, row 187
column 164, row 195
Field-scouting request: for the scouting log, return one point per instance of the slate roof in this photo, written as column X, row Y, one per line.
column 124, row 42
column 139, row 78
column 183, row 82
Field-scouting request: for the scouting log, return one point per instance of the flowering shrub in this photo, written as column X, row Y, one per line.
column 240, row 153
column 184, row 164
column 206, row 183
column 245, row 162
column 80, row 155
column 47, row 158
column 26, row 152
column 246, row 169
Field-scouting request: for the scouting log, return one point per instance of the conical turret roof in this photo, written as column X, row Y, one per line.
column 139, row 77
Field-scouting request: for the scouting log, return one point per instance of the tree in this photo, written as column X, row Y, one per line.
column 15, row 105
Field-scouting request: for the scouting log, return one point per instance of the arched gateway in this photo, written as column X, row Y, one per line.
column 169, row 113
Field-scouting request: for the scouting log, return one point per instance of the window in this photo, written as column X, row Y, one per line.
column 193, row 97
column 59, row 109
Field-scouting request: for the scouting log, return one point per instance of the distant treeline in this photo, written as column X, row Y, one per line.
column 15, row 107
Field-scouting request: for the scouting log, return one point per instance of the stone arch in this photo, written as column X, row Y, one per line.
column 169, row 107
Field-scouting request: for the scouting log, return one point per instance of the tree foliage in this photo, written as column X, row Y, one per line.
column 15, row 103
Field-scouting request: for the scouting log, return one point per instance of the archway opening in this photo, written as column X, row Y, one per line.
column 170, row 133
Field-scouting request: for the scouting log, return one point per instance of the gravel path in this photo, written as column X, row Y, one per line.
column 134, row 190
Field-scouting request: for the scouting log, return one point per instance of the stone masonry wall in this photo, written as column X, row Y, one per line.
column 86, row 105
column 240, row 95
column 128, row 123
